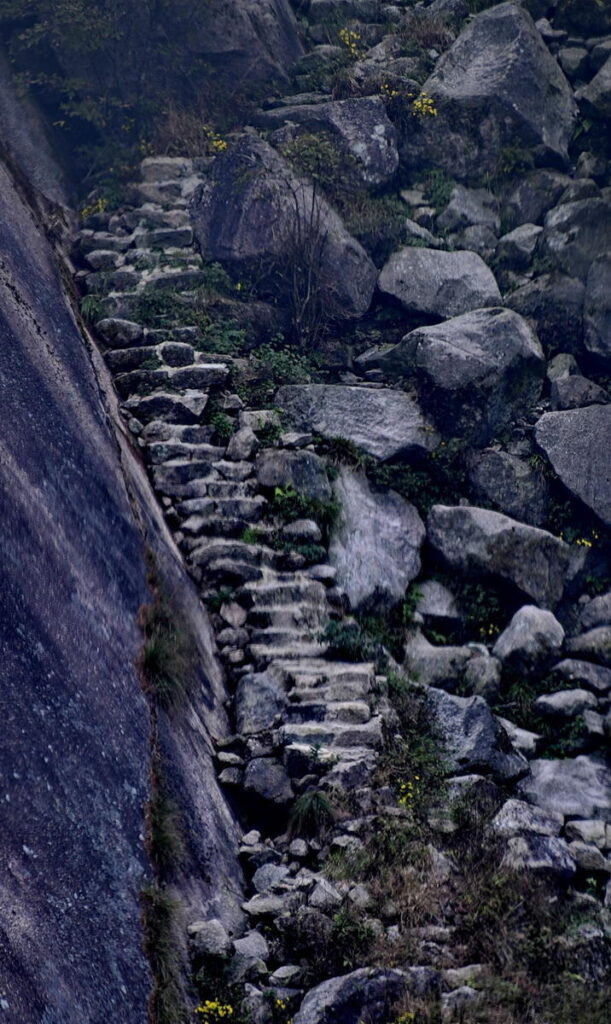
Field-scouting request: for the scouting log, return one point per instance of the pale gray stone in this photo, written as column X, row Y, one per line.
column 577, row 787
column 439, row 283
column 532, row 637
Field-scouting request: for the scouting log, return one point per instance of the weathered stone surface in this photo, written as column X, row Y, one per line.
column 252, row 208
column 509, row 483
column 516, row 817
column 476, row 372
column 583, row 17
column 595, row 645
column 596, row 612
column 259, row 699
column 595, row 97
column 532, row 637
column 386, row 424
column 577, row 787
column 575, row 234
column 583, row 674
column 469, row 206
column 376, row 544
column 597, row 308
column 575, row 391
column 544, row 854
column 497, row 86
column 577, row 443
column 554, row 302
column 365, row 993
column 173, row 408
column 437, row 604
column 120, row 333
column 255, row 39
column 533, row 196
column 565, row 703
column 443, row 666
column 477, row 540
column 360, row 126
column 267, row 778
column 304, row 471
column 209, row 937
column 474, row 740
column 516, row 249
column 438, row 283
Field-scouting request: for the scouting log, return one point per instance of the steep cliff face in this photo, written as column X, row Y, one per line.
column 75, row 759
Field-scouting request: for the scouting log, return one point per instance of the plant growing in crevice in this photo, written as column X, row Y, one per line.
column 160, row 911
column 311, row 815
column 168, row 659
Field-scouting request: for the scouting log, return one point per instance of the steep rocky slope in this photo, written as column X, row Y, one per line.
column 360, row 348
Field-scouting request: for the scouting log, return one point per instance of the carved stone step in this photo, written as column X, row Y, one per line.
column 262, row 654
column 172, row 477
column 310, row 615
column 335, row 734
column 354, row 712
column 170, row 451
column 289, row 591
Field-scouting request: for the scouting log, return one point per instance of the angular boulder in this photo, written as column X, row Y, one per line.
column 360, row 126
column 498, row 86
column 532, row 637
column 259, row 699
column 238, row 38
column 595, row 97
column 554, row 304
column 577, row 443
column 438, row 283
column 304, row 471
column 578, row 787
column 533, row 196
column 597, row 308
column 547, row 855
column 475, row 540
column 384, row 423
column 252, row 212
column 376, row 544
column 364, row 994
column 517, row 818
column 475, row 373
column 575, row 234
column 474, row 741
column 509, row 483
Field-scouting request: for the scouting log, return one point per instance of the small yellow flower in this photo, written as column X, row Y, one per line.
column 424, row 106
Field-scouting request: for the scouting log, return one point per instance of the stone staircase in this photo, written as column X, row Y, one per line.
column 273, row 620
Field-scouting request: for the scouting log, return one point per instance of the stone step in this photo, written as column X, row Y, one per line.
column 249, row 508
column 230, row 572
column 291, row 590
column 215, row 525
column 324, row 672
column 274, row 637
column 238, row 471
column 264, row 653
column 334, row 734
column 161, row 430
column 308, row 614
column 221, row 489
column 329, row 692
column 298, row 756
column 170, row 451
column 172, row 477
column 199, row 377
column 355, row 712
column 122, row 360
column 233, row 550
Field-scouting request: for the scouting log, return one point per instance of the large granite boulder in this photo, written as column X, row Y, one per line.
column 533, row 196
column 253, row 213
column 475, row 540
column 438, row 283
column 511, row 484
column 497, row 86
column 597, row 307
column 532, row 637
column 577, row 787
column 386, row 424
column 575, row 234
column 474, row 741
column 367, row 994
column 475, row 373
column 259, row 699
column 577, row 443
column 376, row 545
column 360, row 126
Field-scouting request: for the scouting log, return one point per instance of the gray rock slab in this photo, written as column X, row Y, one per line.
column 474, row 740
column 384, row 423
column 376, row 543
column 578, row 787
column 438, row 283
column 577, row 443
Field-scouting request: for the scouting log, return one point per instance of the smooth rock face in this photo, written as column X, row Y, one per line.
column 376, row 544
column 532, row 636
column 360, row 126
column 474, row 740
column 438, row 283
column 578, row 787
column 304, row 471
column 497, row 86
column 597, row 308
column 575, row 234
column 75, row 756
column 476, row 372
column 258, row 38
column 364, row 994
column 386, row 424
column 252, row 208
column 577, row 443
column 477, row 540
column 511, row 484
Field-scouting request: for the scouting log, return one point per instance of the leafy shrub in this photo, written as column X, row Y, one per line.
column 438, row 189
column 347, row 641
column 287, row 504
column 222, row 426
